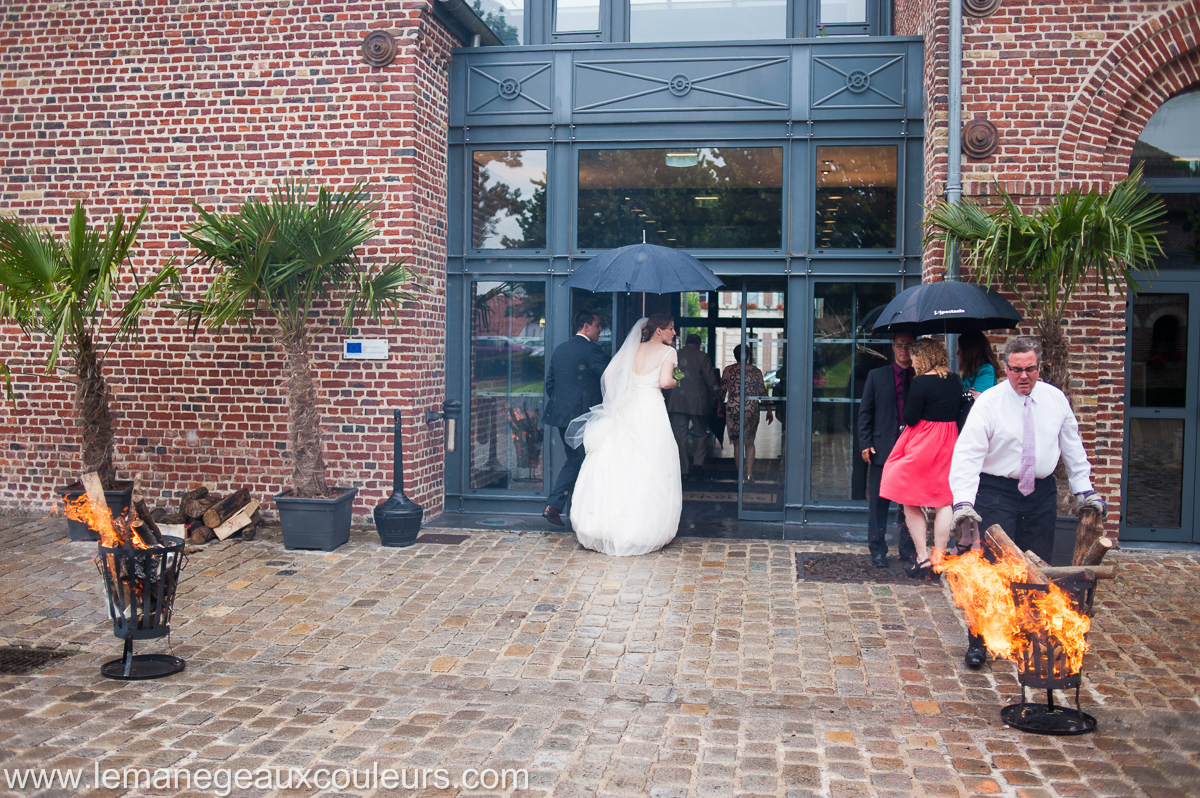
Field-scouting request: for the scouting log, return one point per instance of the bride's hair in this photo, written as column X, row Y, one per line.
column 659, row 321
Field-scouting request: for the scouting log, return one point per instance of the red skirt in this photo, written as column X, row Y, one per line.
column 918, row 470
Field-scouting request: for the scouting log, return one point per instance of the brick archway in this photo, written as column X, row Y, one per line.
column 1158, row 59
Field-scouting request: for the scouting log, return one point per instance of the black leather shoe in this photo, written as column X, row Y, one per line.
column 909, row 557
column 976, row 652
column 879, row 560
column 551, row 515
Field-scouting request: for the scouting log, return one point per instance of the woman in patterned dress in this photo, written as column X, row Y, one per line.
column 755, row 386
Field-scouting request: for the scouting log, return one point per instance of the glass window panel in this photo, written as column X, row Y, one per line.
column 508, row 199
column 508, row 366
column 683, row 197
column 1154, row 495
column 856, row 197
column 706, row 20
column 843, row 353
column 1159, row 357
column 1181, row 247
column 835, row 12
column 601, row 305
column 1170, row 143
column 506, row 18
column 576, row 16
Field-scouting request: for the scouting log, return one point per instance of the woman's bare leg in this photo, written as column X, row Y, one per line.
column 915, row 519
column 749, row 458
column 941, row 532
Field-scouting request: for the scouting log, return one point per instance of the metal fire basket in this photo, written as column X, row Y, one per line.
column 141, row 585
column 1044, row 666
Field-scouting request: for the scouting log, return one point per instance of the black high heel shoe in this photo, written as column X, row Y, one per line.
column 922, row 570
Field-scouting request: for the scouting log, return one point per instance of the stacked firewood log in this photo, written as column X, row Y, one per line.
column 205, row 516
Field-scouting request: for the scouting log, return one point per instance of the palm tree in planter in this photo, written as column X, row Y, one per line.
column 79, row 296
column 276, row 259
column 1044, row 257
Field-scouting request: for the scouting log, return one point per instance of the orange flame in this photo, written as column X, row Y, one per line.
column 115, row 533
column 983, row 590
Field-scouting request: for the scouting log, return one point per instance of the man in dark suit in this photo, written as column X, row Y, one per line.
column 879, row 418
column 572, row 388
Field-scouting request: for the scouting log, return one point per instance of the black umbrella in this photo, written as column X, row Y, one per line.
column 644, row 268
column 947, row 307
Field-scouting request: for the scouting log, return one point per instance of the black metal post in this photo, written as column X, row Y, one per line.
column 398, row 520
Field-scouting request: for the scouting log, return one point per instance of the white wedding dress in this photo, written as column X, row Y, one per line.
column 628, row 497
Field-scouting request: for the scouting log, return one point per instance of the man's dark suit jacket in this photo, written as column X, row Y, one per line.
column 573, row 385
column 878, row 425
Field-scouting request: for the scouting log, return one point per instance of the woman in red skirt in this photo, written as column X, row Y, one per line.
column 917, row 474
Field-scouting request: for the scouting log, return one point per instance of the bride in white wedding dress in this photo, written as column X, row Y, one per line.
column 629, row 495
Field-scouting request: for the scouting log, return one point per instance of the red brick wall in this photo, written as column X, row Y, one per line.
column 121, row 104
column 1070, row 87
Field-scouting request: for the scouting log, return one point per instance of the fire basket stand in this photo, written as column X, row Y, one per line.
column 1043, row 665
column 141, row 585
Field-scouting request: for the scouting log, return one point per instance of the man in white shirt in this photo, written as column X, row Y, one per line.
column 1002, row 471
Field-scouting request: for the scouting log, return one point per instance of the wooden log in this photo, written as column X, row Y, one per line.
column 174, row 530
column 1002, row 545
column 225, row 509
column 1095, row 554
column 1090, row 529
column 1089, row 572
column 200, row 534
column 198, row 492
column 159, row 513
column 196, row 508
column 251, row 532
column 95, row 493
column 236, row 521
column 170, row 518
column 143, row 514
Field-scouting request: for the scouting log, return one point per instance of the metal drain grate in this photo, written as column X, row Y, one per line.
column 852, row 568
column 445, row 540
column 20, row 661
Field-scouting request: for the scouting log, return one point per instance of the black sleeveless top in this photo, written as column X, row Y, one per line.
column 931, row 398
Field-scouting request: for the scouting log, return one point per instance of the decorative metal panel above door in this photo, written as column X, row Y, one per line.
column 669, row 85
column 515, row 87
column 858, row 81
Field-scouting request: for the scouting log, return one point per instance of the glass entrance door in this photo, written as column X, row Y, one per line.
column 733, row 455
column 1161, row 415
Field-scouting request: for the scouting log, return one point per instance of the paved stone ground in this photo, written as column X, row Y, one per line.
column 705, row 669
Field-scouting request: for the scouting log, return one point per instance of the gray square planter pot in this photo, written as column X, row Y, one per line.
column 117, row 499
column 322, row 524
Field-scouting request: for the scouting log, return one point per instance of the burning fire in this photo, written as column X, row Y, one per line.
column 115, row 533
column 983, row 590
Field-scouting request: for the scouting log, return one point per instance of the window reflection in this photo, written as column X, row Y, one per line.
column 508, row 199
column 694, row 197
column 576, row 16
column 856, row 197
column 1158, row 360
column 506, row 18
column 706, row 20
column 834, row 12
column 508, row 365
column 844, row 351
column 1170, row 143
column 1181, row 245
column 1154, row 496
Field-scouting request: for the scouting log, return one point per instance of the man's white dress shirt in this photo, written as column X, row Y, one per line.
column 991, row 440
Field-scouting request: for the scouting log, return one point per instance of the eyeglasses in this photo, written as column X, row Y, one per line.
column 902, row 347
column 1027, row 370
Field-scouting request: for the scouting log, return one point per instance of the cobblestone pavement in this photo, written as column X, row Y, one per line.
column 705, row 669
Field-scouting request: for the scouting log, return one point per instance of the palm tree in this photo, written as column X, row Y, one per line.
column 1044, row 257
column 276, row 259
column 69, row 292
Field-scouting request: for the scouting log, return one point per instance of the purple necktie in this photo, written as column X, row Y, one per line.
column 1028, row 452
